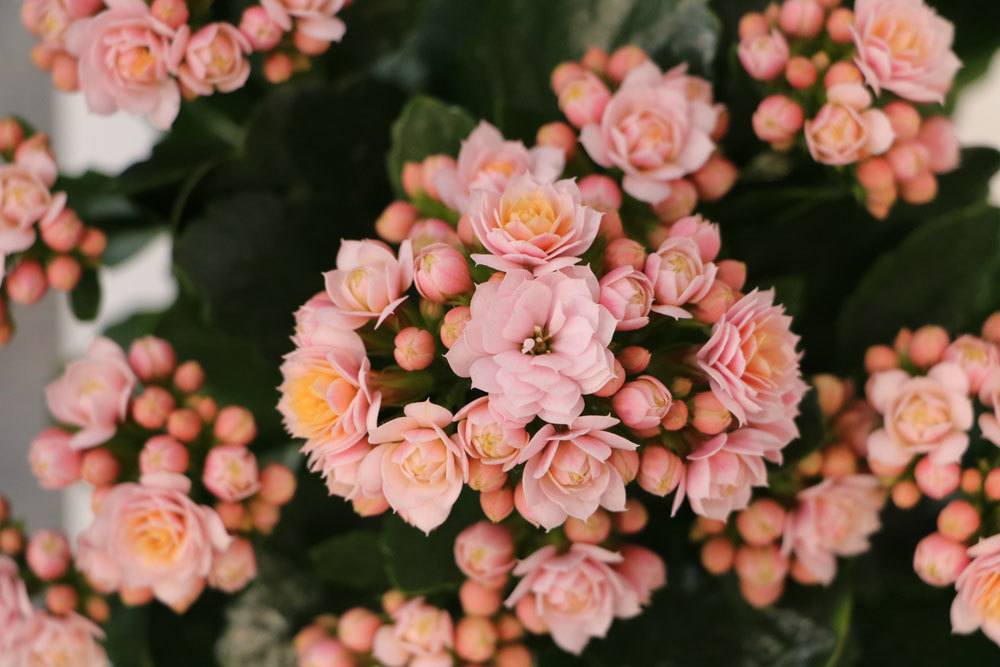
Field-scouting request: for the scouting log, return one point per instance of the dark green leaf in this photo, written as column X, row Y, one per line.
column 425, row 127
column 351, row 560
column 85, row 299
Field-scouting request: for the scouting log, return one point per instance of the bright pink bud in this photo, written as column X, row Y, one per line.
column 583, row 99
column 356, row 628
column 26, row 283
column 11, row 134
column 429, row 169
column 937, row 481
column 189, row 377
column 161, row 453
column 63, row 232
column 959, row 520
column 231, row 473
column 97, row 608
column 880, row 358
column 717, row 555
column 184, row 424
column 557, row 135
column 135, row 597
column 42, row 55
column 61, row 599
column 454, row 324
column 642, row 403
column 800, row 72
column 151, row 408
column 396, row 221
column 634, row 359
column 928, row 345
column 475, row 639
column 55, row 464
column 710, row 416
column 592, row 531
column 753, row 24
column 99, row 467
column 63, row 273
column 660, row 470
column 839, row 24
column 939, row 137
column 777, row 120
column 624, row 60
column 278, row 67
column 48, row 554
column 938, row 560
column 904, row 118
column 921, row 189
column 612, row 386
column 415, row 349
column 761, row 523
column 831, row 393
column 600, row 192
column 626, row 462
column 842, row 72
column 595, row 59
column 624, row 252
column 764, row 56
column 172, row 12
column 260, row 29
column 151, row 358
column 497, row 505
column 679, row 203
column 801, row 18
column 235, row 425
column 277, row 484
column 485, row 477
column 480, row 600
column 441, row 273
column 715, row 178
column 563, row 74
column 485, row 552
column 412, row 178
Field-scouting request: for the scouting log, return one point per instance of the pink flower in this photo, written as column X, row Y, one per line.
column 215, row 59
column 315, row 18
column 69, row 641
column 234, row 568
column 487, row 435
column 340, row 470
column 537, row 345
column 905, row 47
column 750, row 360
column 416, row 465
column 628, row 295
column 54, row 462
column 644, row 571
column 679, row 276
column 977, row 358
column 430, row 231
column 441, row 273
column 921, row 415
column 989, row 424
column 841, row 134
column 24, row 201
column 532, row 224
column 422, row 629
column 319, row 322
column 939, row 136
column 151, row 535
column 833, row 518
column 487, row 162
column 568, row 471
column 576, row 594
column 764, row 56
column 485, row 552
column 369, row 281
column 978, row 587
column 231, row 473
column 127, row 58
column 49, row 19
column 93, row 394
column 15, row 606
column 777, row 119
column 642, row 403
column 652, row 131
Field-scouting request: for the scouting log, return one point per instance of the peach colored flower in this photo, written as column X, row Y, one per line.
column 628, row 295
column 422, row 629
column 24, row 202
column 989, row 394
column 234, row 568
column 487, row 435
column 15, row 606
column 45, row 640
column 841, row 134
column 679, row 276
column 976, row 604
column 485, row 552
column 977, row 358
column 315, row 18
column 370, row 281
column 215, row 58
column 231, row 473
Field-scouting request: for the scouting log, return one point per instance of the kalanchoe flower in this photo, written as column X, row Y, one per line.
column 45, row 639
column 842, row 134
column 422, row 629
column 679, row 276
column 484, row 552
column 978, row 587
column 370, row 281
column 488, row 162
column 315, row 18
column 989, row 423
column 628, row 295
column 537, row 345
column 977, row 358
column 488, row 436
column 15, row 606
column 215, row 58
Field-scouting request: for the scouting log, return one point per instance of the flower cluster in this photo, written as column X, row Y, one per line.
column 820, row 66
column 141, row 431
column 826, row 507
column 59, row 634
column 43, row 242
column 927, row 390
column 143, row 57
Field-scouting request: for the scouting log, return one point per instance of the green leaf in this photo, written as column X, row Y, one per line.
column 85, row 299
column 425, row 127
column 351, row 560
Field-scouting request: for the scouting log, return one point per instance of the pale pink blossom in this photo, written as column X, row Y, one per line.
column 234, row 568
column 653, row 130
column 315, row 18
column 422, row 629
column 764, row 56
column 989, row 394
column 643, row 569
column 215, row 58
column 152, row 535
column 93, row 394
column 642, row 403
column 704, row 233
column 537, row 345
column 977, row 358
column 484, row 552
column 903, row 46
column 628, row 296
column 841, row 134
column 370, row 281
column 576, row 594
column 35, row 155
column 416, row 465
column 430, row 231
column 24, row 202
column 940, row 137
column 921, row 415
column 833, row 518
column 487, row 435
column 318, row 322
column 441, row 273
column 54, row 462
column 45, row 640
column 15, row 606
column 231, row 473
column 126, row 61
column 568, row 472
column 532, row 224
column 978, row 589
column 679, row 276
column 487, row 162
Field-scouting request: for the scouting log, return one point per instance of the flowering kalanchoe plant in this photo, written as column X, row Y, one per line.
column 854, row 88
column 143, row 56
column 927, row 389
column 65, row 631
column 43, row 243
column 155, row 447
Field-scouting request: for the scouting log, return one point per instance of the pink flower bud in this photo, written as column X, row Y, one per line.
column 594, row 530
column 11, row 134
column 234, row 516
column 715, row 304
column 485, row 552
column 634, row 359
column 189, row 377
column 514, row 655
column 151, row 358
column 832, row 393
column 991, row 485
column 65, row 72
column 557, row 135
column 972, row 481
column 485, row 477
column 235, row 425
column 753, row 24
column 174, row 13
column 761, row 566
column 600, row 192
column 801, row 18
column 626, row 462
column 679, row 203
column 842, row 72
column 875, row 174
column 761, row 596
column 184, row 424
column 152, row 407
column 643, row 569
column 94, row 242
column 497, row 505
column 583, row 99
column 642, row 403
column 939, row 137
column 733, row 273
column 921, row 189
column 61, row 599
column 231, row 473
column 441, row 273
column 99, row 467
column 710, row 415
column 905, row 494
column 396, row 221
column 63, row 273
column 612, row 386
column 563, row 74
column 356, row 628
column 627, row 293
column 48, row 554
column 959, row 520
column 991, row 328
column 928, row 345
column 98, row 610
column 624, row 252
column 611, row 227
column 880, row 358
column 908, row 160
column 278, row 67
column 886, row 470
column 11, row 541
column 135, row 597
column 839, row 24
column 938, row 560
column 761, row 523
column 327, row 652
column 415, row 349
column 633, row 520
column 660, row 470
column 778, row 119
column 265, row 516
column 904, row 118
column 42, row 55
column 715, row 178
column 475, row 639
column 260, row 29
column 800, row 73
column 309, row 45
column 454, row 324
column 717, row 555
column 839, row 461
column 595, row 59
column 161, row 453
column 676, row 417
column 412, row 178
column 764, row 56
column 55, row 464
column 937, row 481
column 480, row 600
column 624, row 60
column 527, row 612
column 277, row 484
column 429, row 170
column 26, row 283
column 63, row 232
